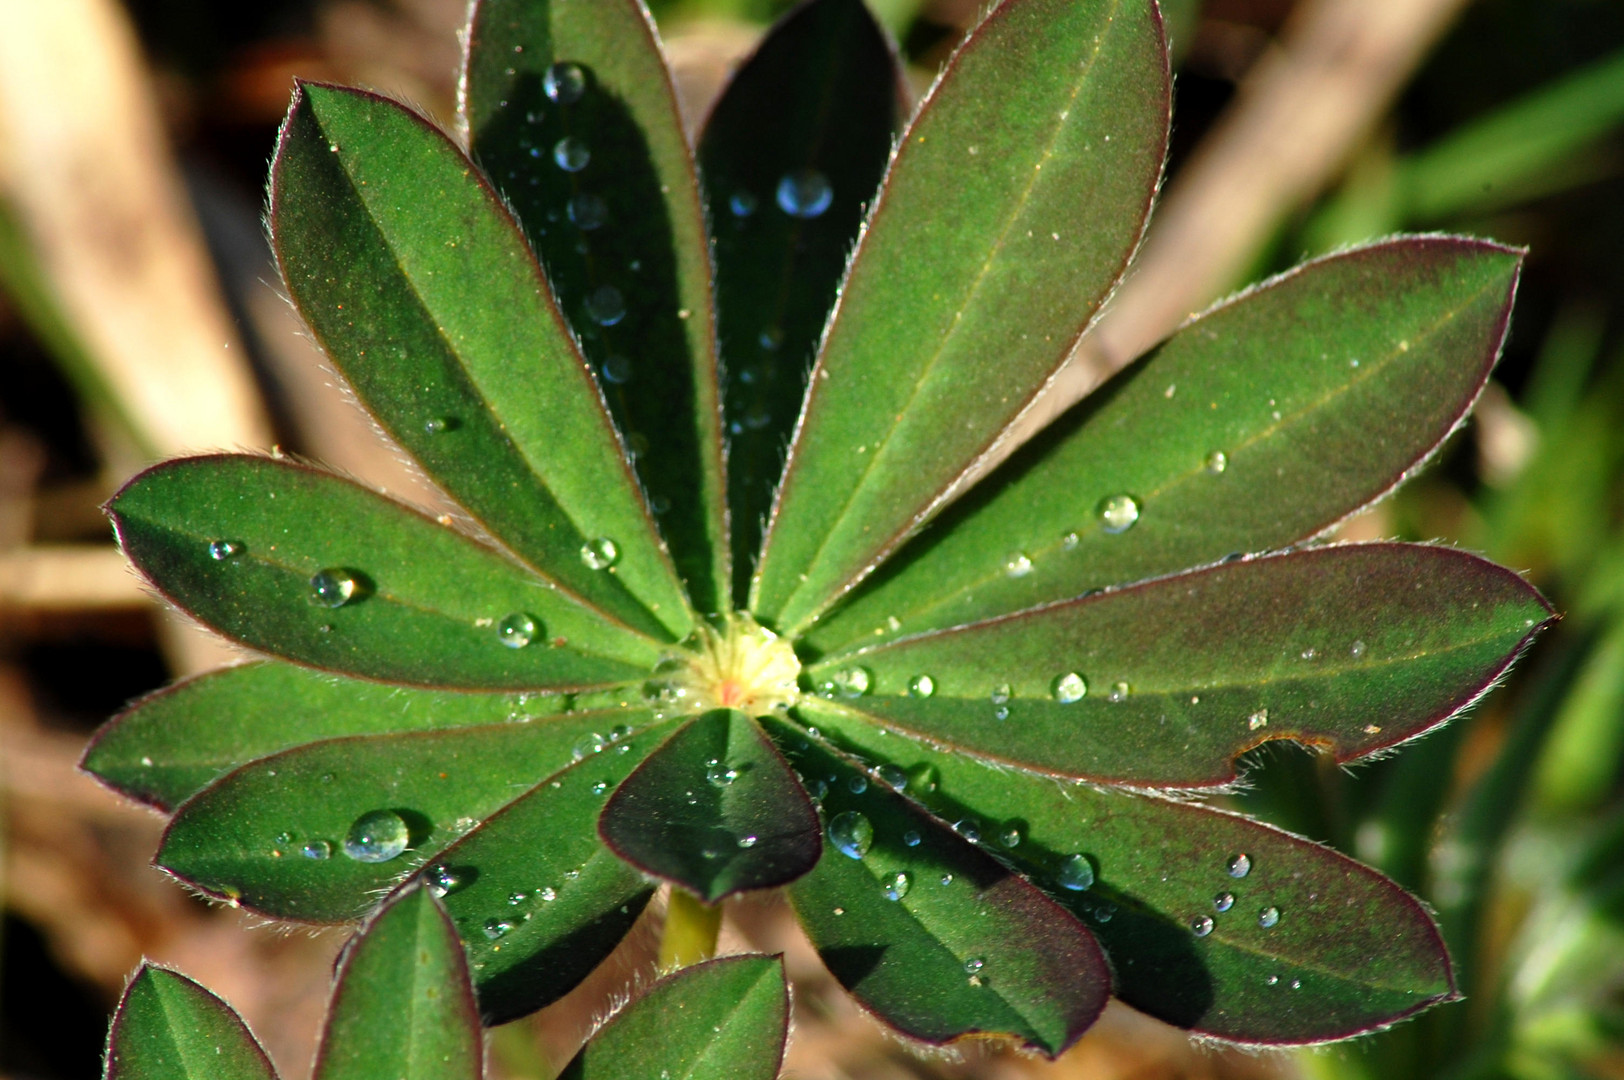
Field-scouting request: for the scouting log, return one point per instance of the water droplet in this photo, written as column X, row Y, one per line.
column 1075, row 873
column 1070, row 541
column 1224, row 901
column 221, row 550
column 605, row 305
column 1240, row 865
column 804, row 193
column 1119, row 692
column 1272, row 979
column 1217, row 462
column 590, row 744
column 1018, row 565
column 1069, row 688
column 923, row 779
column 517, row 898
column 858, row 784
column 1201, row 925
column 616, row 369
column 743, row 204
column 516, row 630
column 443, row 879
column 600, row 787
column 851, row 682
column 1357, row 650
column 719, row 774
column 587, row 211
column 1118, row 513
column 896, row 886
column 377, row 836
column 548, row 894
column 974, row 965
column 1310, row 653
column 495, row 928
column 921, row 686
column 564, row 83
column 316, row 849
column 947, row 879
column 771, row 338
column 333, row 588
column 1268, row 917
column 1257, row 720
column 851, row 834
column 969, row 828
column 893, row 777
column 437, row 425
column 571, row 154
column 911, row 838
column 1001, row 694
column 599, row 554
column 1011, row 836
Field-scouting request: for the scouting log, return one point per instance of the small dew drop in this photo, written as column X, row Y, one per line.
column 437, row 425
column 921, row 686
column 221, row 550
column 1075, row 873
column 742, row 204
column 857, row 784
column 590, row 744
column 1217, row 462
column 599, row 554
column 564, row 83
column 1069, row 688
column 1001, row 694
column 851, row 834
column 974, row 965
column 616, row 369
column 1011, row 837
column 516, row 630
column 969, row 828
column 548, row 895
column 1201, row 925
column 1119, row 692
column 571, row 154
column 517, row 898
column 892, row 777
column 1223, row 901
column 600, row 787
column 605, row 305
column 376, row 836
column 333, row 588
column 495, row 928
column 317, row 849
column 443, row 879
column 1240, row 865
column 804, row 193
column 895, row 886
column 1357, row 649
column 719, row 774
column 1118, row 513
column 1257, row 720
column 1070, row 541
column 748, row 841
column 1018, row 565
column 1268, row 917
column 1001, row 713
column 587, row 211
column 851, row 682
column 911, row 838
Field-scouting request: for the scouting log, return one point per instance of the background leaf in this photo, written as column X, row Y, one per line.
column 1257, row 425
column 405, row 600
column 1012, row 205
column 568, row 105
column 936, row 938
column 714, row 810
column 169, row 1028
column 402, row 1008
column 396, row 251
column 724, row 1019
column 792, row 153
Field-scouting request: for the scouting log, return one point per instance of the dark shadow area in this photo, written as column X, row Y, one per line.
column 52, row 1026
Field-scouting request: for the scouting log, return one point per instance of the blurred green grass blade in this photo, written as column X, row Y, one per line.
column 167, row 1027
column 403, row 600
column 622, row 235
column 724, row 1019
column 177, row 741
column 1257, row 425
column 1578, row 766
column 402, row 1007
column 282, row 835
column 1351, row 649
column 937, row 939
column 396, row 252
column 1350, row 951
column 1014, row 201
column 792, row 154
column 537, row 898
column 715, row 811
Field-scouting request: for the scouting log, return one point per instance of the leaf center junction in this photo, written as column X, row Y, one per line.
column 735, row 663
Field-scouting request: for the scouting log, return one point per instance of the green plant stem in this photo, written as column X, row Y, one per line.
column 691, row 926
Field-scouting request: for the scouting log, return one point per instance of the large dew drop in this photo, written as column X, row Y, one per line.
column 1240, row 865
column 804, row 193
column 599, row 554
column 1201, row 925
column 1268, row 917
column 333, row 588
column 377, row 836
column 1118, row 513
column 896, row 885
column 564, row 83
column 1075, row 873
column 921, row 686
column 605, row 305
column 851, row 834
column 516, row 630
column 1223, row 901
column 1069, row 688
column 571, row 154
column 848, row 682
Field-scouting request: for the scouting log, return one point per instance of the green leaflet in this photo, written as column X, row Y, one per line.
column 395, row 250
column 169, row 1028
column 1010, row 210
column 723, row 1019
column 1163, row 684
column 1257, row 425
column 569, row 107
column 238, row 541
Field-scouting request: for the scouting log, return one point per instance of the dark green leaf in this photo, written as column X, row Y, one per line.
column 1350, row 950
column 791, row 154
column 721, row 1020
column 536, row 897
column 281, row 835
column 174, row 743
column 625, row 217
column 401, row 257
column 1250, row 429
column 239, row 542
column 169, row 1028
column 715, row 810
column 1351, row 649
column 1010, row 210
column 402, row 1008
column 937, row 938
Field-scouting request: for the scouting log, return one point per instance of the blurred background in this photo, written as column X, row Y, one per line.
column 140, row 318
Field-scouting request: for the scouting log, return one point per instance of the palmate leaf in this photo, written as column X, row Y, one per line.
column 169, row 1028
column 568, row 105
column 1256, row 426
column 1010, row 210
column 1347, row 950
column 1351, row 649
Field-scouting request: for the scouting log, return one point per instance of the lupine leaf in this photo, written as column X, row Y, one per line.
column 403, row 1008
column 1349, row 951
column 716, row 811
column 935, row 937
column 396, row 251
column 1351, row 649
column 169, row 1028
column 723, row 1019
column 427, row 605
column 536, row 897
column 1010, row 210
column 792, row 153
column 625, row 218
column 177, row 741
column 278, row 835
column 1257, row 425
